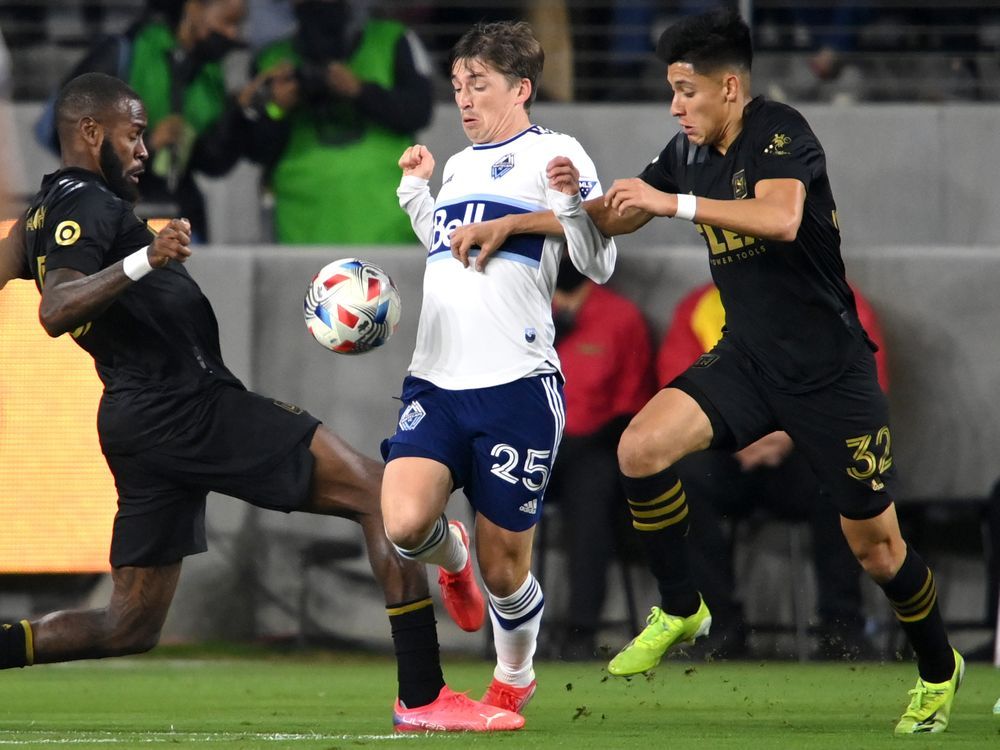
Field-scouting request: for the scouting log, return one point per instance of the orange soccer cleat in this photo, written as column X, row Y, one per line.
column 460, row 592
column 454, row 712
column 509, row 697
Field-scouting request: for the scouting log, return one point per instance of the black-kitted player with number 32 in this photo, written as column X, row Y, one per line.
column 752, row 176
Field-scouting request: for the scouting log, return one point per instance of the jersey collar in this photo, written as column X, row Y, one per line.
column 484, row 146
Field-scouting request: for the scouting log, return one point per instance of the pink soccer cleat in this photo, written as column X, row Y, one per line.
column 454, row 712
column 509, row 697
column 460, row 592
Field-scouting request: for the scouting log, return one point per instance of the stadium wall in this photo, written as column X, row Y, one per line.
column 930, row 167
column 921, row 238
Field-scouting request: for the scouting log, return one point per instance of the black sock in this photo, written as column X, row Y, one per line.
column 418, row 657
column 659, row 513
column 913, row 597
column 16, row 647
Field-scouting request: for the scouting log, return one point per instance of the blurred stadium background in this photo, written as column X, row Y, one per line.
column 905, row 96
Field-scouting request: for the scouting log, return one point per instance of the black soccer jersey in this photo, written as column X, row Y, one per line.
column 788, row 305
column 156, row 346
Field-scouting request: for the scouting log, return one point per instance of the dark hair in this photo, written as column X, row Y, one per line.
column 507, row 47
column 708, row 41
column 170, row 11
column 90, row 95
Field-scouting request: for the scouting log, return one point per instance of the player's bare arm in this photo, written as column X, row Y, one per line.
column 417, row 161
column 611, row 223
column 13, row 262
column 489, row 236
column 71, row 298
column 775, row 212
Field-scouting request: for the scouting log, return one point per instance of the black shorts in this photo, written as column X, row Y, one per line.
column 242, row 444
column 842, row 429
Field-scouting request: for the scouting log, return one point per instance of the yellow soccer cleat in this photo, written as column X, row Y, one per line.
column 930, row 703
column 661, row 632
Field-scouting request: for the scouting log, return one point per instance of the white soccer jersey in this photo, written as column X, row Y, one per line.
column 479, row 329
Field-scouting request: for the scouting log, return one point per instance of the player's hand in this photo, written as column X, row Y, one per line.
column 770, row 451
column 418, row 161
column 636, row 193
column 167, row 132
column 284, row 84
column 342, row 80
column 488, row 236
column 173, row 242
column 563, row 175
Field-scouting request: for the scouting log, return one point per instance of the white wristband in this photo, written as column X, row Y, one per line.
column 137, row 264
column 687, row 206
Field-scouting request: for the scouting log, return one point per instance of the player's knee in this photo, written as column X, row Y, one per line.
column 503, row 578
column 407, row 532
column 878, row 561
column 133, row 635
column 636, row 456
column 144, row 640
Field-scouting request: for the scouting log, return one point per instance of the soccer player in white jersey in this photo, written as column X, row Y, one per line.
column 483, row 407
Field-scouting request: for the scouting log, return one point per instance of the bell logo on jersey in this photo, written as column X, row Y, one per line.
column 502, row 166
column 443, row 227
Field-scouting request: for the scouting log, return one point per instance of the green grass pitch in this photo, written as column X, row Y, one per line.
column 321, row 700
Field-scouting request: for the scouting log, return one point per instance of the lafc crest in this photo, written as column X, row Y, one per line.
column 739, row 183
column 779, row 145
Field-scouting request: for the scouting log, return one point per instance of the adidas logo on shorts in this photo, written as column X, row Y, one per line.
column 530, row 507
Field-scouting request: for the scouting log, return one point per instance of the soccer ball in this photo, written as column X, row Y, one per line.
column 351, row 306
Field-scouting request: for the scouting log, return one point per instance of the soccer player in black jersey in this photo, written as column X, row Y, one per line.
column 751, row 175
column 175, row 423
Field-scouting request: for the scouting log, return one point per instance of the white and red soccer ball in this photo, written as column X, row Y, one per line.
column 351, row 306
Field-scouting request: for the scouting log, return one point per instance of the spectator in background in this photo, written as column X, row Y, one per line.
column 172, row 58
column 768, row 474
column 335, row 106
column 604, row 346
column 553, row 22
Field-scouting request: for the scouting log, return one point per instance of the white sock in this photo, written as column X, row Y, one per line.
column 516, row 619
column 443, row 547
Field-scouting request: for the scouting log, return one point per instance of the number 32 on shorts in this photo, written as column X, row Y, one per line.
column 865, row 448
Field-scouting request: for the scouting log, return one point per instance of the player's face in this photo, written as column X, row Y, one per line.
column 699, row 104
column 123, row 153
column 492, row 109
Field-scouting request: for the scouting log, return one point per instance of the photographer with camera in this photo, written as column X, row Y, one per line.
column 172, row 57
column 333, row 108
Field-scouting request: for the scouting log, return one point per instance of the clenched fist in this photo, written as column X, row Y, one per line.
column 418, row 161
column 173, row 241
